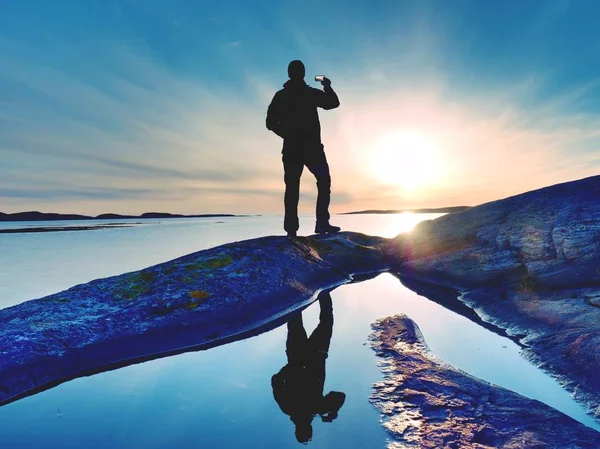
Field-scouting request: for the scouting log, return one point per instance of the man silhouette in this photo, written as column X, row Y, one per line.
column 298, row 386
column 293, row 116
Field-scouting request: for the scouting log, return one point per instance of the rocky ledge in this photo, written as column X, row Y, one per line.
column 426, row 403
column 529, row 264
column 199, row 300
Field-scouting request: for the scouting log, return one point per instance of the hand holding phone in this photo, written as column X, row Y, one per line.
column 323, row 80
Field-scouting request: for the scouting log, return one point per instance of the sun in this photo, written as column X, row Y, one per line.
column 407, row 159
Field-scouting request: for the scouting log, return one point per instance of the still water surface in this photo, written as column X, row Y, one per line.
column 222, row 397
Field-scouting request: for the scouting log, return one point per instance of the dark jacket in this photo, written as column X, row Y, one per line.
column 293, row 114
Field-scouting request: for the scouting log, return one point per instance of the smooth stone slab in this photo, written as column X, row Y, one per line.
column 426, row 403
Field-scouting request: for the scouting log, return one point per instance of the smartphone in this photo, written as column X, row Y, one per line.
column 319, row 78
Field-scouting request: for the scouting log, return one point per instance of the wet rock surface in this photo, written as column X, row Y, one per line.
column 425, row 403
column 201, row 299
column 529, row 264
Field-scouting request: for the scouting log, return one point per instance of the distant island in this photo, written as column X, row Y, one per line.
column 49, row 216
column 439, row 210
column 42, row 216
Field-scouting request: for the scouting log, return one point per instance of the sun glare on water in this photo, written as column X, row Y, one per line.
column 407, row 159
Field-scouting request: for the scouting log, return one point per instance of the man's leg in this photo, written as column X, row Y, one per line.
column 318, row 343
column 316, row 162
column 321, row 336
column 292, row 168
column 297, row 340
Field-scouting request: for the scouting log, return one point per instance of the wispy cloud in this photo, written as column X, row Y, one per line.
column 153, row 112
column 233, row 44
column 161, row 129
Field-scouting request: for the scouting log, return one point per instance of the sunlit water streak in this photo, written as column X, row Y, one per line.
column 222, row 397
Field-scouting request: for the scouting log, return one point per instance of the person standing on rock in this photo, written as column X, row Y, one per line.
column 293, row 116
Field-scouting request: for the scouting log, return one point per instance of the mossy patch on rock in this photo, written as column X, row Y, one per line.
column 135, row 284
column 147, row 276
column 192, row 305
column 56, row 299
column 212, row 263
column 199, row 294
column 170, row 270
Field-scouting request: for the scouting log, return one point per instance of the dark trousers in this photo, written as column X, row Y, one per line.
column 294, row 159
column 298, row 386
column 303, row 350
column 306, row 357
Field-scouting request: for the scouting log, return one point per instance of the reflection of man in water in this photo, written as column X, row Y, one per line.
column 298, row 386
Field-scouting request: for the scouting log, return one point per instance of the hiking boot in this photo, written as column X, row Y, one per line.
column 326, row 228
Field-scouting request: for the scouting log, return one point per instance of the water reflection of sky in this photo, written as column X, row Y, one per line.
column 222, row 398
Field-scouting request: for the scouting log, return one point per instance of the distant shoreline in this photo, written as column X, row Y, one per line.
column 439, row 210
column 42, row 216
column 49, row 216
column 66, row 228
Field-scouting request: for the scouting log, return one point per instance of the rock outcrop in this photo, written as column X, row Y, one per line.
column 547, row 238
column 426, row 403
column 529, row 264
column 202, row 299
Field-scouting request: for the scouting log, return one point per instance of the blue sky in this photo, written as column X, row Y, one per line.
column 131, row 106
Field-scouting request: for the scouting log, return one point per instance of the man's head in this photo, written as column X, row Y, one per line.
column 304, row 432
column 303, row 422
column 296, row 70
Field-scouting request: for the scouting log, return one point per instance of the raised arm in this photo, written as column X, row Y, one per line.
column 327, row 98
